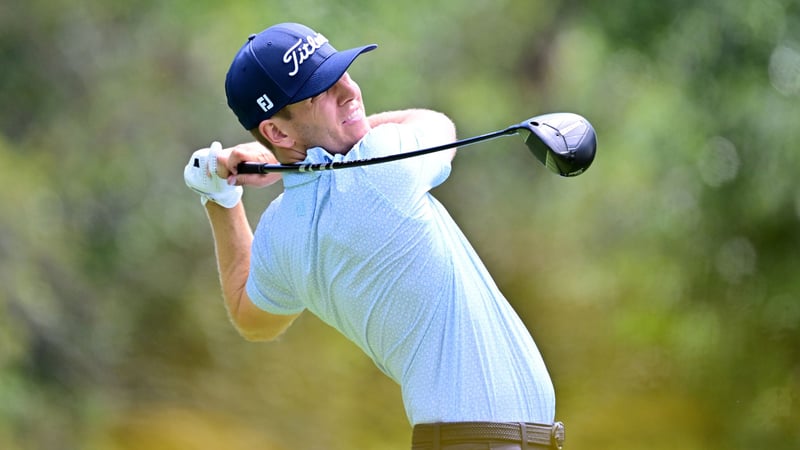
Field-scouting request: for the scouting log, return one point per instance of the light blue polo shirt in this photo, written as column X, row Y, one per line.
column 372, row 253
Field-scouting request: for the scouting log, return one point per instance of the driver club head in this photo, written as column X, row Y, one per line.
column 564, row 142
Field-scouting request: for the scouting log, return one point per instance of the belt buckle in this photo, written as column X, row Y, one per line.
column 557, row 435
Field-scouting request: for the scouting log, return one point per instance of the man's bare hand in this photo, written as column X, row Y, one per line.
column 229, row 158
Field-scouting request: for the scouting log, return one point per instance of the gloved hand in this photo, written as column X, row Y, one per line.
column 201, row 176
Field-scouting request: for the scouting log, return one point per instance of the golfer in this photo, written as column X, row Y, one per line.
column 368, row 250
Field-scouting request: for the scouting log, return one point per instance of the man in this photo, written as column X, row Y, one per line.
column 369, row 250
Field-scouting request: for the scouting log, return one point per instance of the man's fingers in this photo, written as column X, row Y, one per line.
column 249, row 152
column 241, row 153
column 254, row 179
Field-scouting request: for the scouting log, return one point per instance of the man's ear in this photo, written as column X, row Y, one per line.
column 272, row 132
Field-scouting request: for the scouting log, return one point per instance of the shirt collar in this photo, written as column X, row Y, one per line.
column 315, row 155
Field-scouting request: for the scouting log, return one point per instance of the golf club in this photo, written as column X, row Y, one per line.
column 564, row 142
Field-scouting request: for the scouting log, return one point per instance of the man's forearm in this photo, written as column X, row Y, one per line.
column 233, row 238
column 399, row 116
column 438, row 128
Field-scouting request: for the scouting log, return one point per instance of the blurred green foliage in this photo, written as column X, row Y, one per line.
column 660, row 285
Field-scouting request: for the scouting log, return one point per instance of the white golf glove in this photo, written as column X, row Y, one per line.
column 201, row 176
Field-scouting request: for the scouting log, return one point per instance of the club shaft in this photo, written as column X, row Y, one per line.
column 251, row 167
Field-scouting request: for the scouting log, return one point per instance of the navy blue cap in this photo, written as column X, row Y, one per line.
column 284, row 64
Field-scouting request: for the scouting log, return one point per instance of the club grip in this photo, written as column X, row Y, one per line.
column 250, row 167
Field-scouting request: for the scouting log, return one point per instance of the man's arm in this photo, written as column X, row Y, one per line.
column 209, row 173
column 232, row 240
column 438, row 128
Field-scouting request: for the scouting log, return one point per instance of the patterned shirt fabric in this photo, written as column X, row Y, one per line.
column 372, row 253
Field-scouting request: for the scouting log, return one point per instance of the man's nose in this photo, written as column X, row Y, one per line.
column 344, row 89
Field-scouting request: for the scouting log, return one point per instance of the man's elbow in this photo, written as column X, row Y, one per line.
column 267, row 327
column 256, row 335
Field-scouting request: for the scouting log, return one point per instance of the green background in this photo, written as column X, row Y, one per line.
column 661, row 285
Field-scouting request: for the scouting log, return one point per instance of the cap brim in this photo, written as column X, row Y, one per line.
column 329, row 72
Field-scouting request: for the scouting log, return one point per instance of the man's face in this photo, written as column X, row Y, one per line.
column 334, row 120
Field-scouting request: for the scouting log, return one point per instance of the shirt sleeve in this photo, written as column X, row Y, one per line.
column 266, row 286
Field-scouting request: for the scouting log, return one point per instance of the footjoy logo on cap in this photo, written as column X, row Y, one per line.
column 299, row 52
column 265, row 103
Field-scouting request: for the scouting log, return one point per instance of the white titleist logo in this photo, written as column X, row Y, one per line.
column 302, row 50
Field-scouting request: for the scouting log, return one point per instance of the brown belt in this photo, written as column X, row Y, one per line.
column 531, row 433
